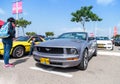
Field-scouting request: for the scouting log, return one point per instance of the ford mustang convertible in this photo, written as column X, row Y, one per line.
column 21, row 45
column 68, row 50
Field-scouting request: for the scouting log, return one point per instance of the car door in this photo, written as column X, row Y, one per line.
column 92, row 46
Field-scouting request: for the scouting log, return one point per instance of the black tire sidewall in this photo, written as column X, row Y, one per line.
column 81, row 66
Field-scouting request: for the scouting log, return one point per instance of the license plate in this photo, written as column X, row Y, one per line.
column 45, row 60
column 100, row 46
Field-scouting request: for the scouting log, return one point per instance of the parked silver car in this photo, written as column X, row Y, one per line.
column 68, row 50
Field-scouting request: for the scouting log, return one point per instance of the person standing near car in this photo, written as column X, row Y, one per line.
column 32, row 46
column 7, row 42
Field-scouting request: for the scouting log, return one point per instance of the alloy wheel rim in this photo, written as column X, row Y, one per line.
column 85, row 59
column 19, row 52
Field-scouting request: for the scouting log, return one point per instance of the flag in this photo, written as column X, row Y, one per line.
column 115, row 31
column 17, row 7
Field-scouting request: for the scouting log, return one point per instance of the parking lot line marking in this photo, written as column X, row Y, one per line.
column 2, row 61
column 108, row 53
column 53, row 72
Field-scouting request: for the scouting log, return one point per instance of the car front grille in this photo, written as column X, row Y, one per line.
column 50, row 50
column 56, row 63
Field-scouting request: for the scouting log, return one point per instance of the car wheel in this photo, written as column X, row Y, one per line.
column 112, row 48
column 18, row 51
column 116, row 44
column 84, row 62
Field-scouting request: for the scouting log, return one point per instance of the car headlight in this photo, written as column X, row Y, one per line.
column 109, row 43
column 72, row 51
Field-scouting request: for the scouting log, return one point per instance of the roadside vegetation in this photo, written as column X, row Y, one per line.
column 31, row 33
column 84, row 15
column 47, row 34
column 22, row 23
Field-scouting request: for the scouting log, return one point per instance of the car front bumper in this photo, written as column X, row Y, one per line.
column 57, row 60
column 108, row 47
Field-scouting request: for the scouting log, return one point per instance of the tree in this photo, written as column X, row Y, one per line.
column 31, row 33
column 84, row 15
column 49, row 34
column 22, row 23
column 117, row 36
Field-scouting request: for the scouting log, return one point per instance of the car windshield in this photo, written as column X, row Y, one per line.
column 49, row 38
column 73, row 35
column 102, row 38
column 21, row 38
column 118, row 39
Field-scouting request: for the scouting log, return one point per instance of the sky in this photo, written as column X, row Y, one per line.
column 55, row 15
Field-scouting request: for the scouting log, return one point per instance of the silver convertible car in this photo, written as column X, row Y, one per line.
column 68, row 50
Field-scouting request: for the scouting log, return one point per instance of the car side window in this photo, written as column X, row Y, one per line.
column 35, row 40
column 38, row 39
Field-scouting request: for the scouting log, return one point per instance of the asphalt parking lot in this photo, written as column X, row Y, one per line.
column 103, row 69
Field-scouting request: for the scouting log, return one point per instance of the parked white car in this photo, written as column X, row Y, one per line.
column 104, row 42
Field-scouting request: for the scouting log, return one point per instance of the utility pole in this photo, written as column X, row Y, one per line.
column 17, row 9
column 17, row 18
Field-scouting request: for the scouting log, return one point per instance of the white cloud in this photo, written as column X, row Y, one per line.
column 105, row 2
column 2, row 12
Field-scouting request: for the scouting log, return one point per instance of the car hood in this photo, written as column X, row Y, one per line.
column 25, row 43
column 62, row 43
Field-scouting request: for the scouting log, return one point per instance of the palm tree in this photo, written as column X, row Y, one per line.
column 22, row 23
column 84, row 15
column 31, row 33
column 49, row 34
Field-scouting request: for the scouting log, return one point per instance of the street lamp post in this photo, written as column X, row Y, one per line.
column 17, row 9
column 17, row 17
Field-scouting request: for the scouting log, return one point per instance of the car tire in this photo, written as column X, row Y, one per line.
column 84, row 62
column 112, row 48
column 18, row 51
column 116, row 44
